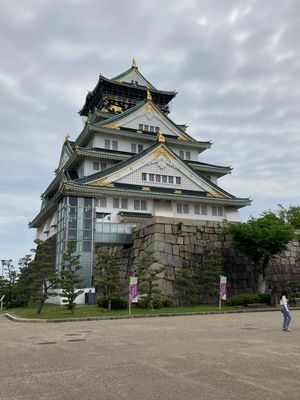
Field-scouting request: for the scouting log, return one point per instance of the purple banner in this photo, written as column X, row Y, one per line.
column 223, row 287
column 133, row 290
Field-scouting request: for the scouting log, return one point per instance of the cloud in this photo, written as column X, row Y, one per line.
column 235, row 66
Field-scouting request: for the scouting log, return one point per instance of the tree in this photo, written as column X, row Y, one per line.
column 211, row 271
column 148, row 277
column 8, row 283
column 69, row 278
column 25, row 288
column 260, row 239
column 290, row 215
column 41, row 275
column 109, row 280
column 186, row 284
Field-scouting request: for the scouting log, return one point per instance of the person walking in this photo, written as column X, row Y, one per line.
column 284, row 308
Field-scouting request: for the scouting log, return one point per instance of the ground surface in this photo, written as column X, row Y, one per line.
column 228, row 357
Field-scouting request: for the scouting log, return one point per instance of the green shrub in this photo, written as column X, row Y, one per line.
column 156, row 302
column 143, row 302
column 167, row 302
column 117, row 302
column 243, row 299
column 264, row 298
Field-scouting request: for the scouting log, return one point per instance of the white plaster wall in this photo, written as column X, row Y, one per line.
column 88, row 165
column 194, row 153
column 149, row 118
column 233, row 215
column 135, row 177
column 114, row 211
column 124, row 144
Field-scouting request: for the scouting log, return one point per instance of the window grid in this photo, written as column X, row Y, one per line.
column 161, row 178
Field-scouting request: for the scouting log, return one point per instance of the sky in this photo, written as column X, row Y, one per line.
column 235, row 65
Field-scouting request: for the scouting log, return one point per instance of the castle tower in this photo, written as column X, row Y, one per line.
column 129, row 163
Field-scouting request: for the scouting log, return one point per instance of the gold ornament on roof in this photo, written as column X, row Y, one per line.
column 149, row 96
column 102, row 182
column 148, row 107
column 161, row 151
column 113, row 126
column 67, row 137
column 215, row 195
column 160, row 137
column 134, row 63
column 182, row 137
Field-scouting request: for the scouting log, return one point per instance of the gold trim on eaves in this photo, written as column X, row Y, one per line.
column 102, row 183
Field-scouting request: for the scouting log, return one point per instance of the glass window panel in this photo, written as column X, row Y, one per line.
column 171, row 179
column 181, row 153
column 137, row 205
column 72, row 234
column 197, row 209
column 124, row 203
column 103, row 166
column 151, row 177
column 102, row 202
column 87, row 246
column 158, row 178
column 188, row 155
column 140, row 148
column 144, row 205
column 179, row 208
column 96, row 166
column 87, row 224
column 73, row 201
column 88, row 202
column 72, row 224
column 146, row 127
column 87, row 234
column 115, row 145
column 203, row 210
column 185, row 208
column 87, row 213
column 133, row 148
column 214, row 211
column 144, row 176
column 140, row 127
column 116, row 203
column 107, row 144
column 164, row 178
column 178, row 180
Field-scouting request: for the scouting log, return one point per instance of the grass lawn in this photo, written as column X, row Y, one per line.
column 60, row 312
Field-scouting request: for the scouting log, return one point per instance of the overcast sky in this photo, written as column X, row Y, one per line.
column 235, row 66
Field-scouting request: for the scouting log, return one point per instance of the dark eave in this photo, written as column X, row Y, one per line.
column 107, row 86
column 214, row 169
column 73, row 188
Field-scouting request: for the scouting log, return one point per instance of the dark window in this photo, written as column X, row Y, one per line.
column 96, row 166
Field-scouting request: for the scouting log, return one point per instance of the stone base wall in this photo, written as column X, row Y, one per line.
column 178, row 243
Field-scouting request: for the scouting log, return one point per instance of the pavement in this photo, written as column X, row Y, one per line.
column 228, row 357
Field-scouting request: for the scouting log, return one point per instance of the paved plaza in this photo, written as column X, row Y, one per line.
column 228, row 357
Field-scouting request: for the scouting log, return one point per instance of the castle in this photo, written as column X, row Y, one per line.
column 130, row 163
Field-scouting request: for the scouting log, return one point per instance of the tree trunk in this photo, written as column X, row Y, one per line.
column 41, row 304
column 261, row 283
